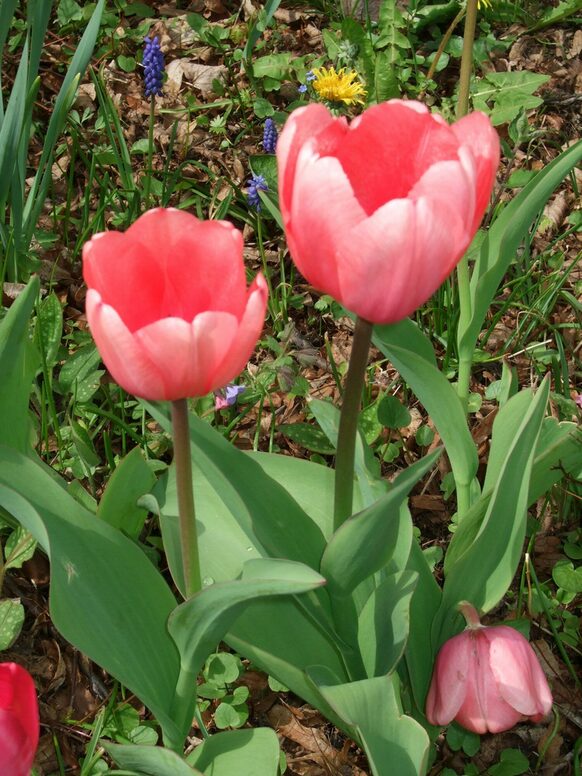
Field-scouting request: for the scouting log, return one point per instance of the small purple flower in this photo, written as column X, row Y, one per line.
column 270, row 136
column 153, row 66
column 231, row 394
column 310, row 76
column 257, row 183
column 302, row 88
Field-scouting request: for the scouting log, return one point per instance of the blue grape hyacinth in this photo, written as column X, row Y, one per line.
column 270, row 136
column 257, row 183
column 153, row 66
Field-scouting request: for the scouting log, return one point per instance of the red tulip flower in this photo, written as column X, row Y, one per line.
column 168, row 304
column 19, row 725
column 378, row 212
column 487, row 679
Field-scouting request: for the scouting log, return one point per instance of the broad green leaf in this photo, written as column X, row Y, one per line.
column 149, row 760
column 200, row 623
column 384, row 622
column 309, row 484
column 392, row 413
column 284, row 637
column 11, row 621
column 242, row 752
column 482, row 557
column 308, row 436
column 393, row 742
column 567, row 577
column 18, row 364
column 365, row 542
column 405, row 335
column 438, row 397
column 106, row 597
column 118, row 506
column 49, row 329
column 269, row 521
column 505, row 427
column 424, row 606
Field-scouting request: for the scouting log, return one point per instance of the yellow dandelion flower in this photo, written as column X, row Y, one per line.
column 485, row 3
column 338, row 87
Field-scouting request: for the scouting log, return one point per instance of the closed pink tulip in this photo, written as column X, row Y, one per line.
column 168, row 304
column 378, row 212
column 487, row 679
column 19, row 724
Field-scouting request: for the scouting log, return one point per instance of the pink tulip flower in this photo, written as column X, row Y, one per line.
column 378, row 212
column 487, row 679
column 19, row 723
column 168, row 304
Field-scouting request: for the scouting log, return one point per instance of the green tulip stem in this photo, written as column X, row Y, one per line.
column 467, row 59
column 149, row 170
column 348, row 426
column 463, row 279
column 187, row 516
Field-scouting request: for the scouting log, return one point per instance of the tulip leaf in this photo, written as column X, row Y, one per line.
column 384, row 622
column 106, row 597
column 131, row 479
column 18, row 364
column 202, row 621
column 269, row 521
column 148, row 760
column 241, row 752
column 504, row 237
column 484, row 552
column 365, row 542
column 405, row 334
column 415, row 362
column 393, row 742
column 283, row 637
column 424, row 606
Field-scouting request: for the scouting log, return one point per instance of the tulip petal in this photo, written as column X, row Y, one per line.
column 321, row 219
column 393, row 261
column 389, row 148
column 449, row 682
column 180, row 264
column 125, row 359
column 475, row 132
column 518, row 674
column 484, row 710
column 247, row 334
column 302, row 125
column 188, row 354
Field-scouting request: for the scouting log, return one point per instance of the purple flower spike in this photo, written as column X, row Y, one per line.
column 257, row 183
column 270, row 136
column 153, row 66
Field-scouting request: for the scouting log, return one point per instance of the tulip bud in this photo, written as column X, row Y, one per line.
column 19, row 725
column 487, row 679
